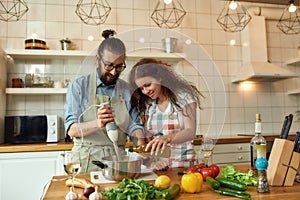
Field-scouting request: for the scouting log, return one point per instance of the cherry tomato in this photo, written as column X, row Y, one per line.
column 215, row 169
column 205, row 172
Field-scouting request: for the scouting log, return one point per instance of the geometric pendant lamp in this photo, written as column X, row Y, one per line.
column 93, row 12
column 12, row 10
column 289, row 22
column 234, row 17
column 168, row 14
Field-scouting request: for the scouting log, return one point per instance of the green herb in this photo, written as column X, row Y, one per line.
column 132, row 189
column 229, row 172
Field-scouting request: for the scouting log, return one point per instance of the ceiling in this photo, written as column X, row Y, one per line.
column 278, row 2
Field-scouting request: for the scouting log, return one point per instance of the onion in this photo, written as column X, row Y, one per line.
column 87, row 191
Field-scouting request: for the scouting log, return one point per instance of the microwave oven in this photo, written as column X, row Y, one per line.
column 31, row 129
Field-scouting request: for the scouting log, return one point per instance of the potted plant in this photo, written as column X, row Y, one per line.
column 65, row 43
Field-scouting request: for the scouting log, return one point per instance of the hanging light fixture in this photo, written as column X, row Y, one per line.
column 93, row 12
column 234, row 17
column 168, row 14
column 289, row 22
column 12, row 10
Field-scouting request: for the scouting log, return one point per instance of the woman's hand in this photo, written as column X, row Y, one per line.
column 158, row 144
column 160, row 165
column 104, row 115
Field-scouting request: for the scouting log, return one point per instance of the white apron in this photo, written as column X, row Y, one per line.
column 97, row 145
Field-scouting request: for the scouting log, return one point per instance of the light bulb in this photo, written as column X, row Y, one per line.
column 167, row 1
column 292, row 8
column 233, row 5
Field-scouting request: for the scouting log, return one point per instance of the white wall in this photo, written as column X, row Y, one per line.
column 55, row 19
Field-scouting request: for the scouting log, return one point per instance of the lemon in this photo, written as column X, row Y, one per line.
column 162, row 182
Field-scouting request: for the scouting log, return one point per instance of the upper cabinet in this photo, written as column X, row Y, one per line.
column 74, row 54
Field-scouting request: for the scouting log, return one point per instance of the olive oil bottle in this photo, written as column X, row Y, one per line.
column 142, row 150
column 258, row 144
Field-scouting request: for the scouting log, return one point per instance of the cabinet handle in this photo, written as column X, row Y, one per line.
column 240, row 148
column 240, row 158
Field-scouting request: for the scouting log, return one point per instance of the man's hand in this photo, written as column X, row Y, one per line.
column 104, row 115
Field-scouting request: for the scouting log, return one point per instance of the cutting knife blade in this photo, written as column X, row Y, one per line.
column 297, row 143
column 283, row 126
column 288, row 126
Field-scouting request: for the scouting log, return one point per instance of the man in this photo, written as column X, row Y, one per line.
column 85, row 114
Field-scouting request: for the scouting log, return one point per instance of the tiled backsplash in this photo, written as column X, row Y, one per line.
column 54, row 20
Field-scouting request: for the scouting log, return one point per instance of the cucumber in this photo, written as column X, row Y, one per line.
column 173, row 191
column 231, row 184
column 212, row 182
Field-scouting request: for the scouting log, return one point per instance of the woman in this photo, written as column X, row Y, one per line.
column 167, row 105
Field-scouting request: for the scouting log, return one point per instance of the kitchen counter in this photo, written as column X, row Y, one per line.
column 57, row 189
column 61, row 146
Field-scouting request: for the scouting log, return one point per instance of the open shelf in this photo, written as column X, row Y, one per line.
column 50, row 54
column 294, row 92
column 40, row 91
column 293, row 61
column 29, row 53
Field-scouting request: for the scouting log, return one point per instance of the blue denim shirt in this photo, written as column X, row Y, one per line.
column 77, row 100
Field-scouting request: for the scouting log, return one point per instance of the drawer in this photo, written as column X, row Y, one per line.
column 231, row 158
column 228, row 148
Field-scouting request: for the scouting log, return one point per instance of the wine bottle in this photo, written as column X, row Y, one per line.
column 142, row 150
column 258, row 144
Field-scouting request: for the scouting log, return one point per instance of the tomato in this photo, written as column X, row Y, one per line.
column 205, row 172
column 195, row 168
column 215, row 169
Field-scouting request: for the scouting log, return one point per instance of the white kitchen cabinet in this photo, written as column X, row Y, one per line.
column 236, row 153
column 24, row 175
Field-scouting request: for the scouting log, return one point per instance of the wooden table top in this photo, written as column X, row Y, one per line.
column 57, row 189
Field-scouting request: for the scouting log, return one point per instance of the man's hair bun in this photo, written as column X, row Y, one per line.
column 108, row 33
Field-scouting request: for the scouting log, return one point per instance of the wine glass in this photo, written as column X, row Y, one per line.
column 207, row 147
column 72, row 166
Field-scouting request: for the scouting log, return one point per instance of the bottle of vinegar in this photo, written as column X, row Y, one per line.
column 258, row 144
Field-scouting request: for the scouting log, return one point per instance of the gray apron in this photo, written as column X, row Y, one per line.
column 97, row 145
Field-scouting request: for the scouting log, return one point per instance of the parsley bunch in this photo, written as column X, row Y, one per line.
column 132, row 189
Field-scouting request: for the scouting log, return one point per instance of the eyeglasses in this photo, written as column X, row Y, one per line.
column 110, row 66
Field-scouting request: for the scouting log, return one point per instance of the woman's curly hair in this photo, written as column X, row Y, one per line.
column 171, row 84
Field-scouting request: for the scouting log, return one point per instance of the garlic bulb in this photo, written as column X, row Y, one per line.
column 72, row 195
column 96, row 195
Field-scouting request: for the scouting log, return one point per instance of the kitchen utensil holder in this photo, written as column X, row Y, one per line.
column 281, row 153
column 291, row 173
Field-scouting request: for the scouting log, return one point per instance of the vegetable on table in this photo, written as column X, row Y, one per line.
column 235, row 193
column 195, row 168
column 233, row 184
column 213, row 183
column 192, row 182
column 229, row 172
column 172, row 192
column 213, row 170
column 139, row 189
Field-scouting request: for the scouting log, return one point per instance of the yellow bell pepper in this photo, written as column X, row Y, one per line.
column 192, row 182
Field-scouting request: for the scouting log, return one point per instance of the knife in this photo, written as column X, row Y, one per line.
column 288, row 126
column 283, row 126
column 297, row 144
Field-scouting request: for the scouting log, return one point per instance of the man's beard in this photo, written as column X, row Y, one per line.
column 106, row 82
